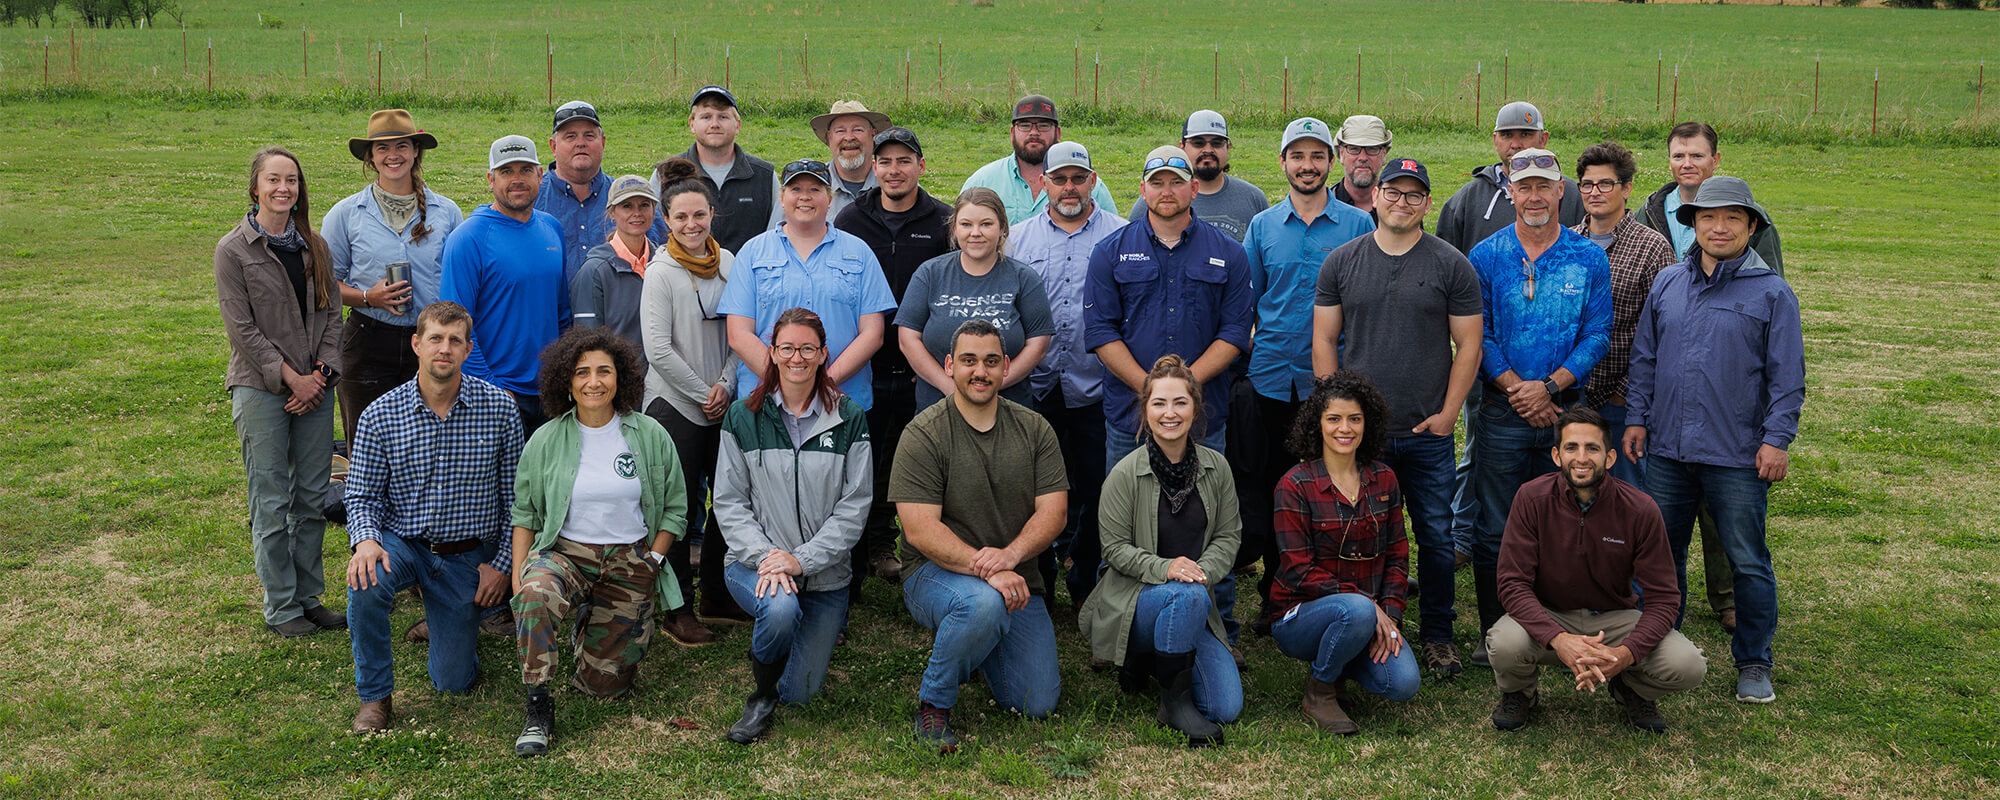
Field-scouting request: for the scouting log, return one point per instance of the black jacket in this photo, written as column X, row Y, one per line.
column 901, row 242
column 1764, row 241
column 744, row 200
column 1480, row 209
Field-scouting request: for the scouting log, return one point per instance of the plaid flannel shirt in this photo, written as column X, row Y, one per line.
column 1327, row 545
column 1637, row 255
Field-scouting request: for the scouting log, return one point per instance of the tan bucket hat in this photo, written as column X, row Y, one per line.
column 848, row 108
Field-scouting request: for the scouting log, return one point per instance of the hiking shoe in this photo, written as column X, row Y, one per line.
column 1727, row 619
column 887, row 566
column 326, row 618
column 1753, row 684
column 420, row 631
column 681, row 626
column 501, row 624
column 1512, row 713
column 1642, row 713
column 540, row 726
column 934, row 728
column 294, row 628
column 1442, row 658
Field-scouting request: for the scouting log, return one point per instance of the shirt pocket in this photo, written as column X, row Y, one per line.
column 848, row 271
column 768, row 276
column 1743, row 322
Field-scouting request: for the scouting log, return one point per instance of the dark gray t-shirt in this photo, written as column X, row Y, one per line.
column 1395, row 319
column 1229, row 210
column 941, row 297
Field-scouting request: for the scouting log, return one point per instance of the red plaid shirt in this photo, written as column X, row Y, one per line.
column 1327, row 545
column 1637, row 254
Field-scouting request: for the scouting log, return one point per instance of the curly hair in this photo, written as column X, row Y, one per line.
column 559, row 363
column 1305, row 440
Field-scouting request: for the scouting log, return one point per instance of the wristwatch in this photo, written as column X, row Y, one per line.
column 655, row 558
column 324, row 370
column 1550, row 384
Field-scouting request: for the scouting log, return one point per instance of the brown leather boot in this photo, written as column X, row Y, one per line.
column 1322, row 706
column 372, row 717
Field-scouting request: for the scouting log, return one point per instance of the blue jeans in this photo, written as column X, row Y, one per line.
column 1118, row 444
column 974, row 631
column 448, row 583
column 1510, row 453
column 1624, row 469
column 1332, row 634
column 1081, row 431
column 1173, row 618
column 1738, row 499
column 801, row 627
column 1424, row 471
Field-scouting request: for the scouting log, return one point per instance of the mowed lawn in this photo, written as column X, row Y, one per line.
column 136, row 664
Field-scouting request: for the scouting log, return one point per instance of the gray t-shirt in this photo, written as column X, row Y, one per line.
column 1229, row 209
column 1395, row 319
column 942, row 296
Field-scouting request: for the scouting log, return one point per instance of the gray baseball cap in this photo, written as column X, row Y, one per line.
column 1205, row 123
column 1066, row 154
column 509, row 149
column 574, row 111
column 1306, row 128
column 1363, row 130
column 1722, row 191
column 1519, row 115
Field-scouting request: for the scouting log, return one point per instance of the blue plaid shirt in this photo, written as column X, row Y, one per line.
column 417, row 476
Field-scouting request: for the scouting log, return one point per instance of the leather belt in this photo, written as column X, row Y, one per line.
column 450, row 548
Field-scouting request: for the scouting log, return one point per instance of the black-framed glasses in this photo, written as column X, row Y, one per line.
column 1372, row 150
column 1208, row 143
column 1528, row 278
column 1169, row 161
column 805, row 351
column 1393, row 196
column 1039, row 126
column 1606, row 186
column 1524, row 162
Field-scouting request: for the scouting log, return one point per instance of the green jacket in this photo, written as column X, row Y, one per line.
column 547, row 473
column 1130, row 530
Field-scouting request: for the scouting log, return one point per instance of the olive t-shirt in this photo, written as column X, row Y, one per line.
column 986, row 482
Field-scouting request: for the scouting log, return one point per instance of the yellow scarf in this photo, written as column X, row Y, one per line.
column 701, row 267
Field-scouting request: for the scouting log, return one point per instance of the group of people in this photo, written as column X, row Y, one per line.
column 552, row 402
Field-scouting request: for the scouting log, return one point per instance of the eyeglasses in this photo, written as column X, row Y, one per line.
column 1373, row 150
column 1523, row 162
column 1394, row 196
column 805, row 351
column 1528, row 278
column 1038, row 126
column 1208, row 143
column 1606, row 186
column 1170, row 161
column 1067, row 180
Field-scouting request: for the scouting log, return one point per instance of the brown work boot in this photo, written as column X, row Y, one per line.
column 500, row 624
column 1322, row 706
column 718, row 611
column 681, row 626
column 420, row 632
column 887, row 566
column 372, row 717
column 1727, row 617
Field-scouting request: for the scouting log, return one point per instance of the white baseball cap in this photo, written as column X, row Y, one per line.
column 1205, row 123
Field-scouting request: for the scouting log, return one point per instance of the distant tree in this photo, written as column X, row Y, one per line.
column 1910, row 3
column 1961, row 3
column 32, row 11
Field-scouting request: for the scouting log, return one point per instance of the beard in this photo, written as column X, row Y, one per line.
column 1208, row 172
column 850, row 163
column 1362, row 178
column 1030, row 158
column 1596, row 479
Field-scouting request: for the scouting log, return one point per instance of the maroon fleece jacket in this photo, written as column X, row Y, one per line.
column 1555, row 554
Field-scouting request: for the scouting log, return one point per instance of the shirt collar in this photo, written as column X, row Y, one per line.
column 1324, row 210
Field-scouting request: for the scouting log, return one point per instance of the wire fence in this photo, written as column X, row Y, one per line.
column 1818, row 96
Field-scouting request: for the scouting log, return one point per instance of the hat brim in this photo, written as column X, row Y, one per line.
column 1535, row 172
column 821, row 123
column 1186, row 175
column 360, row 145
column 1687, row 211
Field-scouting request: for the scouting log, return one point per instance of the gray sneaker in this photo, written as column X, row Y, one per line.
column 1753, row 684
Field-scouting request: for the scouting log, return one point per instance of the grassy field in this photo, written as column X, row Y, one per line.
column 136, row 665
column 1438, row 62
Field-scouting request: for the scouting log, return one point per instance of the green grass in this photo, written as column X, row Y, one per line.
column 136, row 665
column 1750, row 66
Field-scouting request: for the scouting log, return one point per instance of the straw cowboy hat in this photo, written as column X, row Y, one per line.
column 389, row 125
column 848, row 108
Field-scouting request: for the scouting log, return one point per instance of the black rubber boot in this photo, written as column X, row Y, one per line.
column 1132, row 677
column 1486, row 584
column 540, row 731
column 1177, row 709
column 762, row 704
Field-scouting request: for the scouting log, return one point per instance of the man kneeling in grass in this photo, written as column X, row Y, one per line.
column 1576, row 544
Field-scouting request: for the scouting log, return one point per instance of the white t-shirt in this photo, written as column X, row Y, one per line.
column 604, row 504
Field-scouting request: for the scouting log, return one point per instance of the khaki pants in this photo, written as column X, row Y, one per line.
column 1675, row 665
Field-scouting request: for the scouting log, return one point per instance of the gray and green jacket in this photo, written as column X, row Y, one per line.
column 810, row 501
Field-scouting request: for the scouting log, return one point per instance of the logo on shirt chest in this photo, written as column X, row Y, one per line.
column 1131, row 257
column 626, row 466
column 1613, row 541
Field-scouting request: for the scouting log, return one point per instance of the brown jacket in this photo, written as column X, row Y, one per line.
column 261, row 315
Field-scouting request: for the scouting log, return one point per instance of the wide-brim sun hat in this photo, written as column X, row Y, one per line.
column 389, row 125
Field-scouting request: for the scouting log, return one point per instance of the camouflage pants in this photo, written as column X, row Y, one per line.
column 616, row 581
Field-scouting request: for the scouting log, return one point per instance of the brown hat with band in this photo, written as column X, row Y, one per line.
column 389, row 125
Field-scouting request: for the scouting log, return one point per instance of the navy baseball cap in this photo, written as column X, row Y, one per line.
column 1404, row 168
column 712, row 89
column 899, row 135
column 806, row 166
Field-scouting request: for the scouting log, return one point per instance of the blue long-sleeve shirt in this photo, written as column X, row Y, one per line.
column 1286, row 252
column 584, row 221
column 362, row 246
column 1160, row 300
column 1718, row 363
column 1566, row 325
column 508, row 274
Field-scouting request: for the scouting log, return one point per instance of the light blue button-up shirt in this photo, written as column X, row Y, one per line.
column 840, row 281
column 1063, row 260
column 362, row 247
column 1286, row 252
column 1004, row 178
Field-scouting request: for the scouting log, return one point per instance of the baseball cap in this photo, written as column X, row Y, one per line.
column 1519, row 115
column 1404, row 168
column 1363, row 130
column 712, row 89
column 1166, row 157
column 509, row 149
column 1534, row 157
column 806, row 166
column 576, row 110
column 629, row 186
column 1065, row 154
column 1035, row 106
column 899, row 135
column 1205, row 123
column 1305, row 128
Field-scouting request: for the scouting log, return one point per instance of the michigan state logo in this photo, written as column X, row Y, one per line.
column 626, row 466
